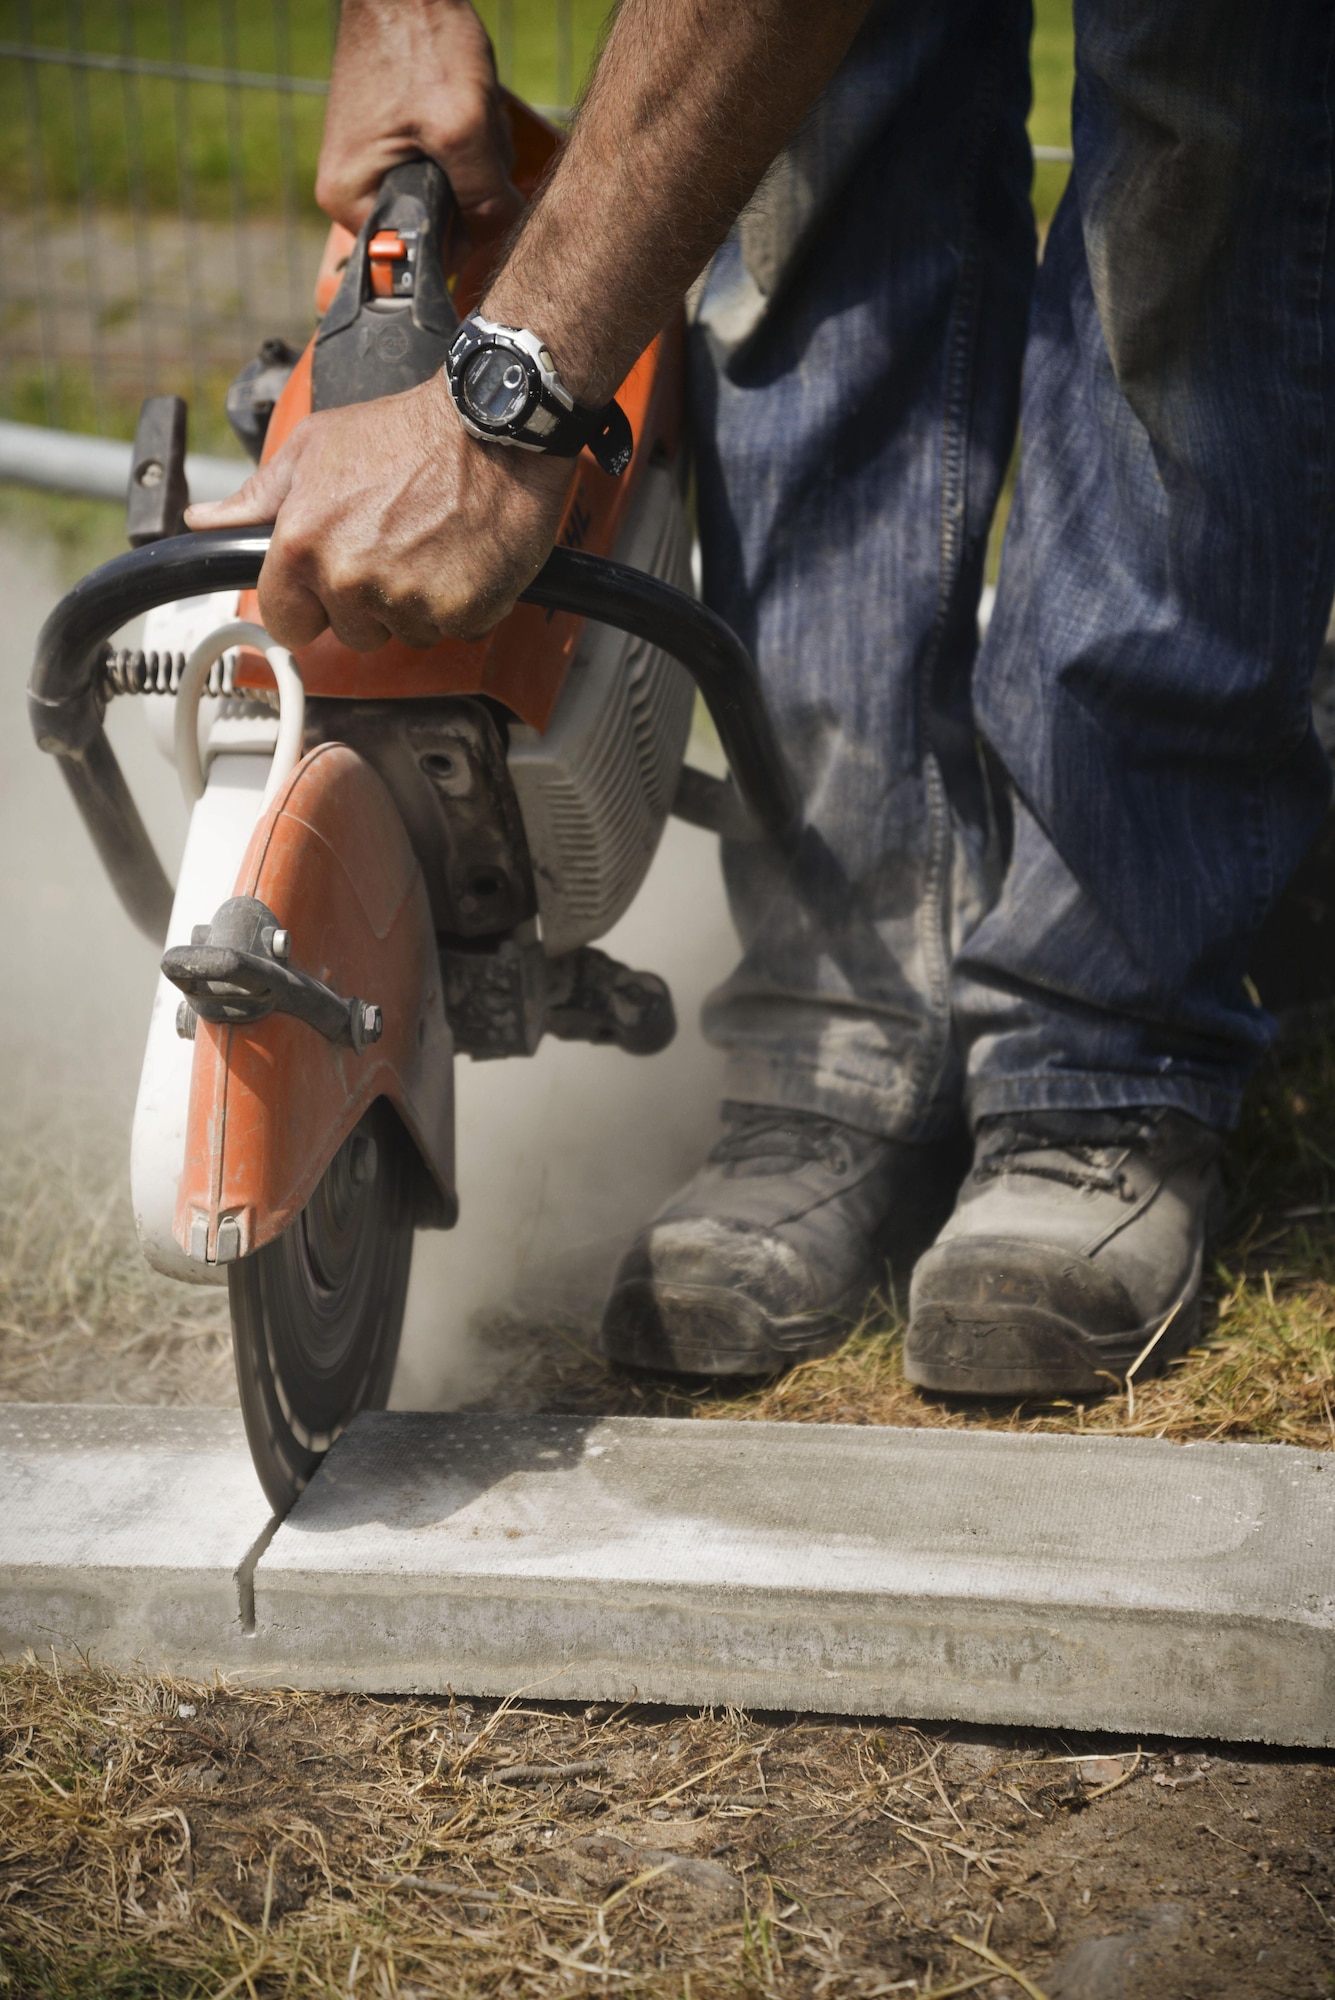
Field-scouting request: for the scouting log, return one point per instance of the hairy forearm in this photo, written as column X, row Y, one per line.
column 691, row 102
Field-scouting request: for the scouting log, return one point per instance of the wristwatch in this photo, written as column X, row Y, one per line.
column 507, row 391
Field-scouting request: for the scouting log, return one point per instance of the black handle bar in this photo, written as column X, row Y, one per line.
column 65, row 700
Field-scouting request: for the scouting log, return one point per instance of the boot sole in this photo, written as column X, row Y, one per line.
column 702, row 1330
column 1061, row 1359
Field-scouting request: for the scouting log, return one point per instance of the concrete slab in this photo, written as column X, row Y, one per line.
column 129, row 1535
column 1088, row 1583
column 1082, row 1583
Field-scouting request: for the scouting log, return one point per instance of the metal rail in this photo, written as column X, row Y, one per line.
column 98, row 468
column 173, row 72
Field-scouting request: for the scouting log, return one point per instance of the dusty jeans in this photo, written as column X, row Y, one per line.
column 1055, row 854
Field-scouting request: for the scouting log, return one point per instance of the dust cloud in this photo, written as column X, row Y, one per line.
column 560, row 1157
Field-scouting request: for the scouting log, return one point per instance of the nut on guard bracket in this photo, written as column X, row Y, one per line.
column 233, row 972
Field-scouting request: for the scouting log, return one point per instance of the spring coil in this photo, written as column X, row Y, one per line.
column 130, row 670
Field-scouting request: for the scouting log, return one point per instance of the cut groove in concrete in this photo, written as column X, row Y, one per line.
column 245, row 1575
column 1069, row 1582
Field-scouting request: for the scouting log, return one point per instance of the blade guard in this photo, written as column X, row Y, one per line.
column 272, row 1100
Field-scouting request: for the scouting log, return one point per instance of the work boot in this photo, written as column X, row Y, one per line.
column 770, row 1253
column 1076, row 1238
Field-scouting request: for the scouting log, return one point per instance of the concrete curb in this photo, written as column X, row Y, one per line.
column 989, row 1577
column 129, row 1535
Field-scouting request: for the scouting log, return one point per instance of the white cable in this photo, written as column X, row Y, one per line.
column 194, row 679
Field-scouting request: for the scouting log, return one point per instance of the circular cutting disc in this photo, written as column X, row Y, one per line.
column 317, row 1314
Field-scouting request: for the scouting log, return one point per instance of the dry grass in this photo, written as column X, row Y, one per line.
column 82, row 1317
column 164, row 1840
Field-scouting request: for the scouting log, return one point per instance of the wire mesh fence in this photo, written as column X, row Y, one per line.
column 157, row 167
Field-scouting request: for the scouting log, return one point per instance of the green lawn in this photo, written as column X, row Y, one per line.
column 85, row 122
column 1050, row 120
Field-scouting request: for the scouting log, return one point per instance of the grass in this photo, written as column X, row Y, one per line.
column 165, row 1841
column 82, row 1317
column 85, row 122
column 161, row 1841
column 82, row 123
column 1052, row 62
column 82, row 151
column 1264, row 1369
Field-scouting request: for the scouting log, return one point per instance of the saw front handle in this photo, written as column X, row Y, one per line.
column 66, row 700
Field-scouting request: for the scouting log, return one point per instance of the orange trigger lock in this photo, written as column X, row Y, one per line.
column 391, row 264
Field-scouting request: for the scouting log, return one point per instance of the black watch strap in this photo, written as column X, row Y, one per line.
column 606, row 432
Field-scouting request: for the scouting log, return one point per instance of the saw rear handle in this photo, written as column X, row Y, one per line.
column 67, row 693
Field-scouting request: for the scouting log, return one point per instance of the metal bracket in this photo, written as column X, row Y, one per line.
column 158, row 495
column 233, row 971
column 500, row 999
column 594, row 998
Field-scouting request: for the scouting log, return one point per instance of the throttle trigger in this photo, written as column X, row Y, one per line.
column 392, row 259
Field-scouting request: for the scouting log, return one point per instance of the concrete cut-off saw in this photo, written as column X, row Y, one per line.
column 392, row 858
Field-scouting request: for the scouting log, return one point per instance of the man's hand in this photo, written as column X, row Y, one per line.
column 416, row 76
column 392, row 522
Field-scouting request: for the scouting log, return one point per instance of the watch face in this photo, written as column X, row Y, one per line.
column 495, row 386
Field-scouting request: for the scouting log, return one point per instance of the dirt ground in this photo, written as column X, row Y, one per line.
column 177, row 1840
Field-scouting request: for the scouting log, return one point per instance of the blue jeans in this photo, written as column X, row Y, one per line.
column 1053, row 851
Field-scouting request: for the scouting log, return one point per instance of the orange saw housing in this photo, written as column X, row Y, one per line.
column 523, row 663
column 271, row 1101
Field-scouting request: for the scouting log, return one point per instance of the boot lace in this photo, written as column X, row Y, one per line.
column 781, row 1141
column 1092, row 1159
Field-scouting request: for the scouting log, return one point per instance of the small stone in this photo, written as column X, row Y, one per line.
column 1101, row 1770
column 187, row 1711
